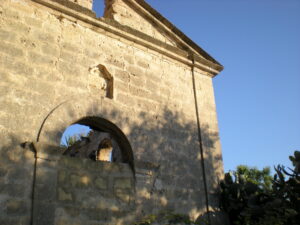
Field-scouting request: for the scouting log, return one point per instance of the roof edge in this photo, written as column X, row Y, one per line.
column 178, row 32
column 77, row 12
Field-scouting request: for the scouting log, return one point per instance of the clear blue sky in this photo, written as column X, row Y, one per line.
column 258, row 93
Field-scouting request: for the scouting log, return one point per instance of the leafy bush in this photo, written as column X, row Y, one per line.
column 255, row 203
column 260, row 177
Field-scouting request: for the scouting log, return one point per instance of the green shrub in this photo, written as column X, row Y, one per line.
column 253, row 203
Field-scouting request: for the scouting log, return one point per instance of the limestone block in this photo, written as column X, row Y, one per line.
column 64, row 195
column 7, row 35
column 80, row 180
column 62, row 176
column 44, row 213
column 95, row 214
column 45, row 191
column 84, row 3
column 135, row 70
column 123, row 195
column 70, row 162
column 15, row 206
column 11, row 50
column 108, row 167
column 122, row 183
column 101, row 183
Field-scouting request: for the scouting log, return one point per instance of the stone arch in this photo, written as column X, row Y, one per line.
column 100, row 114
column 101, row 124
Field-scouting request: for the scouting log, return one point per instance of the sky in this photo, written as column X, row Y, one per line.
column 258, row 93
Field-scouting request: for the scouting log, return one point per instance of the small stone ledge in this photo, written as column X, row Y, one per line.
column 70, row 5
column 48, row 152
column 146, row 168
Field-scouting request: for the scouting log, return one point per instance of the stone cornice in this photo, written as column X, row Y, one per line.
column 186, row 42
column 87, row 16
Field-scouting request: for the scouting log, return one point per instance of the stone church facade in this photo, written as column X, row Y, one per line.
column 130, row 75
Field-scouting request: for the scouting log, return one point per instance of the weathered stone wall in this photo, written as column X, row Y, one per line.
column 118, row 10
column 16, row 182
column 80, row 191
column 84, row 3
column 46, row 56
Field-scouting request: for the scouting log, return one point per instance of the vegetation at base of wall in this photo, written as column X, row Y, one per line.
column 250, row 200
column 167, row 218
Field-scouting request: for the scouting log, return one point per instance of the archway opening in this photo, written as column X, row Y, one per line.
column 74, row 133
column 97, row 139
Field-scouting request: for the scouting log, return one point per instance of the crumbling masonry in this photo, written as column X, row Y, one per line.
column 131, row 75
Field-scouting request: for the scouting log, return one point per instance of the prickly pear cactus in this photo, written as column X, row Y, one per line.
column 251, row 204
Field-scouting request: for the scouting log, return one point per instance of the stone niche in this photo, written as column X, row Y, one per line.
column 100, row 81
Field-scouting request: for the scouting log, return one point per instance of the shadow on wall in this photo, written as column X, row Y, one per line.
column 167, row 163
